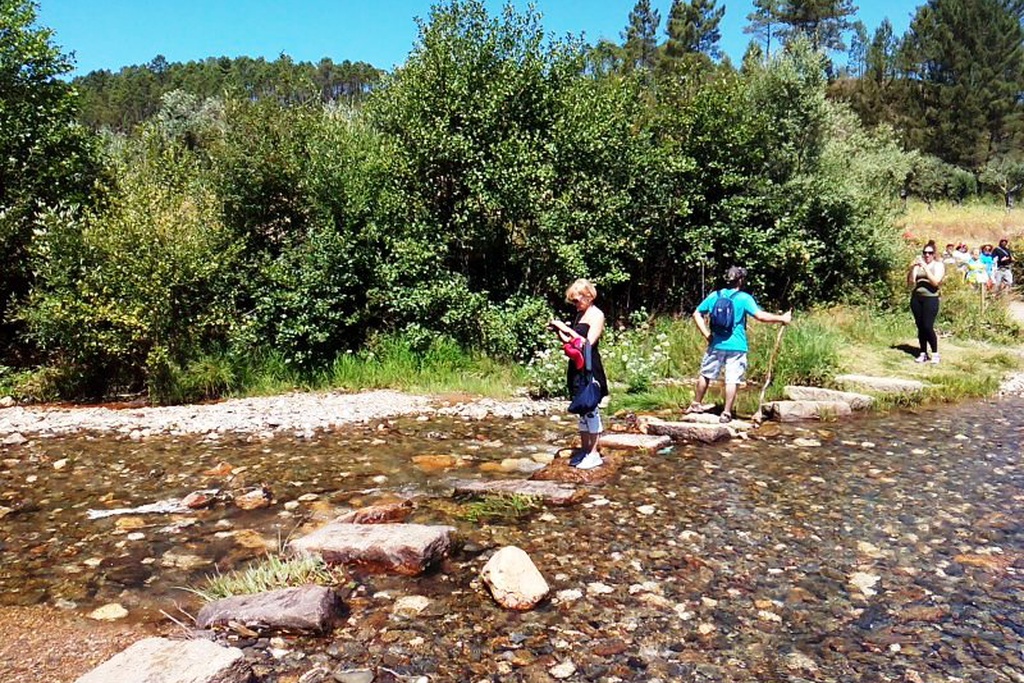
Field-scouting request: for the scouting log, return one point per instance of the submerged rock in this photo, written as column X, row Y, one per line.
column 551, row 492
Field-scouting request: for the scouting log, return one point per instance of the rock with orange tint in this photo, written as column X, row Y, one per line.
column 254, row 499
column 222, row 469
column 561, row 471
column 199, row 499
column 379, row 514
column 436, row 463
column 995, row 563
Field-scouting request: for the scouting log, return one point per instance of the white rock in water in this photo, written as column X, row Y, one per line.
column 513, row 579
column 865, row 582
column 110, row 612
column 410, row 605
column 563, row 670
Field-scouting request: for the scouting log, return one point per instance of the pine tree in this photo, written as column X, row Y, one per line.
column 693, row 28
column 822, row 22
column 764, row 23
column 857, row 55
column 641, row 37
column 965, row 69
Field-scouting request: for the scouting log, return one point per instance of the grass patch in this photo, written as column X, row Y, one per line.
column 500, row 506
column 270, row 573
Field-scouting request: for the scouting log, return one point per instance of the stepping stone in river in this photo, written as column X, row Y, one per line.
column 551, row 492
column 882, row 385
column 690, row 431
column 792, row 411
column 561, row 471
column 305, row 608
column 648, row 443
column 173, row 661
column 406, row 549
column 856, row 401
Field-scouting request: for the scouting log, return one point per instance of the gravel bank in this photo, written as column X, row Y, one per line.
column 300, row 413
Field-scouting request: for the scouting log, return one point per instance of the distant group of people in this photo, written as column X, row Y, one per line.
column 985, row 267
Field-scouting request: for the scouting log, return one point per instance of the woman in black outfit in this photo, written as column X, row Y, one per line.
column 924, row 276
column 588, row 325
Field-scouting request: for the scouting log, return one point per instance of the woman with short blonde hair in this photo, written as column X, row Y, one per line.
column 587, row 327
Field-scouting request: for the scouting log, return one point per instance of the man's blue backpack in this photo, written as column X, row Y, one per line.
column 723, row 319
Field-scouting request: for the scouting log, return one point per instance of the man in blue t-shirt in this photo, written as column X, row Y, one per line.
column 727, row 348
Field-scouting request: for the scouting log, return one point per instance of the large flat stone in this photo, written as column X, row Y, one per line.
column 648, row 443
column 690, row 431
column 160, row 660
column 882, row 385
column 552, row 492
column 856, row 401
column 305, row 608
column 793, row 411
column 406, row 549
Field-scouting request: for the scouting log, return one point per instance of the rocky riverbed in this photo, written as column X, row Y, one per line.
column 882, row 548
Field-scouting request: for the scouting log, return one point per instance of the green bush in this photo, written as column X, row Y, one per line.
column 127, row 297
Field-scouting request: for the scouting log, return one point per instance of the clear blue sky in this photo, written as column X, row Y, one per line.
column 110, row 34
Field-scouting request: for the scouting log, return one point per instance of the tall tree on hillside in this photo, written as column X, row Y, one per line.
column 873, row 95
column 823, row 22
column 857, row 54
column 764, row 23
column 45, row 157
column 693, row 28
column 965, row 63
column 641, row 37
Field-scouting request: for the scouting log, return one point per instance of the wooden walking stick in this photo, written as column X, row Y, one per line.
column 758, row 416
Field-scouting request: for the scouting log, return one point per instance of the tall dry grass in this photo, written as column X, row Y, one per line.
column 973, row 223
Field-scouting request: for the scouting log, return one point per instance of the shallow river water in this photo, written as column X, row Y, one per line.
column 879, row 549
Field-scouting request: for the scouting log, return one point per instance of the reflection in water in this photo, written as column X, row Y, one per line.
column 877, row 549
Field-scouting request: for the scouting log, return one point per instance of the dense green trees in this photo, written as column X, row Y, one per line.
column 951, row 89
column 124, row 99
column 964, row 63
column 45, row 157
column 452, row 205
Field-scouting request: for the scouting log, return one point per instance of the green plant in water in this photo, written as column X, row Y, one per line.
column 270, row 573
column 501, row 506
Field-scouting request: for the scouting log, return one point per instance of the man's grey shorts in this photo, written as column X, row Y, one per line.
column 1002, row 276
column 733, row 362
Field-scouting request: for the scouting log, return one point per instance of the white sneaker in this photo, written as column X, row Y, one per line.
column 935, row 359
column 923, row 358
column 590, row 461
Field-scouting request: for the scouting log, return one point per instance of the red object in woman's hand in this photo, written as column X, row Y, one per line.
column 573, row 351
